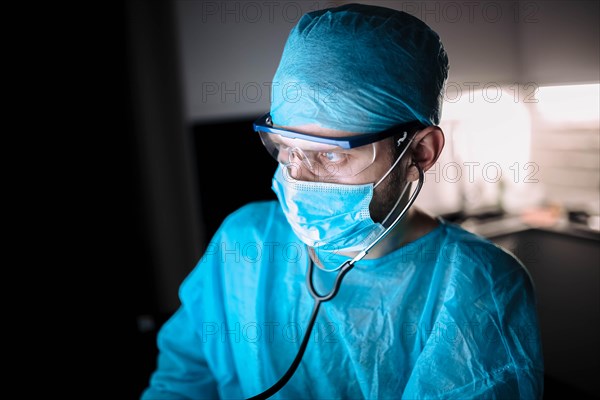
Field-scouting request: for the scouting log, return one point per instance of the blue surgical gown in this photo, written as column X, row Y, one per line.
column 449, row 316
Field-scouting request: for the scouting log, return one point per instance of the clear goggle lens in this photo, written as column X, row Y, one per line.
column 322, row 160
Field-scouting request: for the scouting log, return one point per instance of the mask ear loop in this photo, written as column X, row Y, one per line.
column 408, row 184
column 385, row 220
column 398, row 159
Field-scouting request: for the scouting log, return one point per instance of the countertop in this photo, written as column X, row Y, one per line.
column 508, row 224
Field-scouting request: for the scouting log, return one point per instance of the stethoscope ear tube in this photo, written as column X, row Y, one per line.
column 319, row 298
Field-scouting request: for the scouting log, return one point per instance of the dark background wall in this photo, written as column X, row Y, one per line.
column 163, row 239
column 181, row 178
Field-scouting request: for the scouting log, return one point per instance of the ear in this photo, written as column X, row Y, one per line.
column 425, row 150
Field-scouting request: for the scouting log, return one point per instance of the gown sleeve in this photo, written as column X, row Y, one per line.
column 183, row 369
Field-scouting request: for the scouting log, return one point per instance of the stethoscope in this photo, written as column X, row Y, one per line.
column 322, row 298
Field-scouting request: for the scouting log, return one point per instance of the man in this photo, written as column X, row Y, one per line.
column 425, row 309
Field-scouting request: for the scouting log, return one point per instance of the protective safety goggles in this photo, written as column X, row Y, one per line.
column 328, row 156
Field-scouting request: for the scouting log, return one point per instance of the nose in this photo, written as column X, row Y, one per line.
column 291, row 154
column 299, row 171
column 297, row 164
column 297, row 155
column 283, row 155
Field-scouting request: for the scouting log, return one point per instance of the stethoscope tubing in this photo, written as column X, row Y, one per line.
column 320, row 298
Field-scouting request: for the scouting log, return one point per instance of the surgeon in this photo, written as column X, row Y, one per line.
column 342, row 289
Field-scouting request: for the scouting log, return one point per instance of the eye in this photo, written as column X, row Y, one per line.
column 332, row 157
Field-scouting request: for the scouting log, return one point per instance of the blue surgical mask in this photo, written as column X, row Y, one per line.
column 326, row 215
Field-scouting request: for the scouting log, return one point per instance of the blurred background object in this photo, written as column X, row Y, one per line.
column 521, row 164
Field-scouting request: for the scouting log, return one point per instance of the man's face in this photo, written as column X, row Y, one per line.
column 385, row 194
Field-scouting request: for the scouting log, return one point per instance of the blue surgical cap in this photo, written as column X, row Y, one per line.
column 359, row 68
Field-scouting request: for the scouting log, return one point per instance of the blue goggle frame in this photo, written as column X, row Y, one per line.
column 265, row 124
